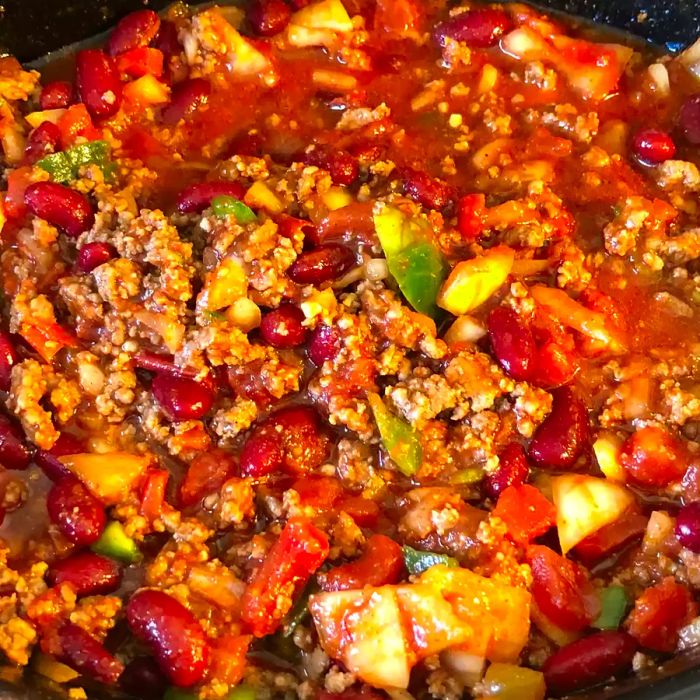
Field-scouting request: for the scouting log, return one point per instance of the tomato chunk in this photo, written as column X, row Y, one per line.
column 653, row 457
column 525, row 512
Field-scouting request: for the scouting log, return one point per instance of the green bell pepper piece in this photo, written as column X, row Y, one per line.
column 116, row 544
column 417, row 561
column 65, row 166
column 399, row 438
column 416, row 264
column 240, row 692
column 613, row 606
column 224, row 205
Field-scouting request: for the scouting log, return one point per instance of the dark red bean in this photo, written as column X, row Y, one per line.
column 324, row 344
column 689, row 119
column 42, row 141
column 688, row 526
column 342, row 166
column 512, row 470
column 561, row 438
column 282, row 327
column 136, row 29
column 652, row 146
column 182, row 398
column 512, row 342
column 167, row 40
column 57, row 95
column 185, row 99
column 48, row 460
column 322, row 264
column 477, row 28
column 8, row 359
column 98, row 82
column 196, row 198
column 172, row 633
column 588, row 661
column 261, row 455
column 162, row 364
column 61, row 206
column 427, row 191
column 88, row 573
column 92, row 255
column 14, row 451
column 85, row 654
column 269, row 17
column 142, row 678
column 76, row 512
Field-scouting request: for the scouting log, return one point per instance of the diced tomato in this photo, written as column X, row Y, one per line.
column 140, row 61
column 380, row 563
column 320, row 492
column 561, row 589
column 398, row 17
column 74, row 122
column 525, row 511
column 196, row 439
column 653, row 457
column 290, row 563
column 228, row 658
column 17, row 182
column 153, row 494
column 363, row 511
column 49, row 339
column 471, row 210
column 659, row 613
column 207, row 473
column 611, row 538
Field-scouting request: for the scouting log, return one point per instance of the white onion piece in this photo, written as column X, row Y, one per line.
column 659, row 76
column 467, row 668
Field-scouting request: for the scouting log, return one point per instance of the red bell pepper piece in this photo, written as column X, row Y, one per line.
column 48, row 340
column 525, row 511
column 141, row 61
column 290, row 563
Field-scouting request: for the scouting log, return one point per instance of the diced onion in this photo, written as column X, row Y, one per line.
column 334, row 80
column 659, row 76
column 465, row 329
column 376, row 269
column 467, row 668
column 690, row 58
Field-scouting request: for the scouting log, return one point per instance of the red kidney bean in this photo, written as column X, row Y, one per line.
column 142, row 678
column 98, row 82
column 427, row 191
column 479, row 28
column 8, row 359
column 282, row 327
column 342, row 166
column 652, row 146
column 268, row 17
column 92, row 255
column 588, row 661
column 136, row 29
column 322, row 264
column 197, row 197
column 167, row 40
column 172, row 633
column 14, row 451
column 688, row 527
column 85, row 654
column 162, row 364
column 42, row 141
column 653, row 457
column 61, row 206
column 561, row 437
column 324, row 344
column 57, row 95
column 75, row 511
column 48, row 460
column 513, row 343
column 512, row 470
column 182, row 398
column 689, row 119
column 185, row 99
column 261, row 454
column 88, row 573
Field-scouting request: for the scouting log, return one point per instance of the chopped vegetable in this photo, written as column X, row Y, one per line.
column 613, row 607
column 417, row 561
column 65, row 166
column 399, row 438
column 510, row 682
column 607, row 451
column 319, row 24
column 116, row 544
column 525, row 511
column 225, row 284
column 223, row 205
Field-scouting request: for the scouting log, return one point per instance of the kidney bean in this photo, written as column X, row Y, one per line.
column 88, row 573
column 653, row 457
column 14, row 451
column 85, row 654
column 132, row 31
column 588, row 661
column 197, row 197
column 8, row 359
column 261, row 454
column 182, row 398
column 512, row 470
column 57, row 95
column 42, row 141
column 652, row 146
column 268, row 17
column 166, row 41
column 688, row 526
column 560, row 439
column 98, row 83
column 185, row 99
column 75, row 511
column 61, row 206
column 381, row 563
column 173, row 634
column 479, row 28
column 153, row 362
column 282, row 327
column 513, row 343
column 324, row 344
column 343, row 167
column 48, row 460
column 92, row 255
column 322, row 264
column 142, row 678
column 427, row 191
column 689, row 119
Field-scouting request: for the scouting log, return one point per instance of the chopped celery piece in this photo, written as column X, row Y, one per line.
column 116, row 544
column 65, row 166
column 417, row 561
column 399, row 438
column 613, row 606
column 224, row 205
